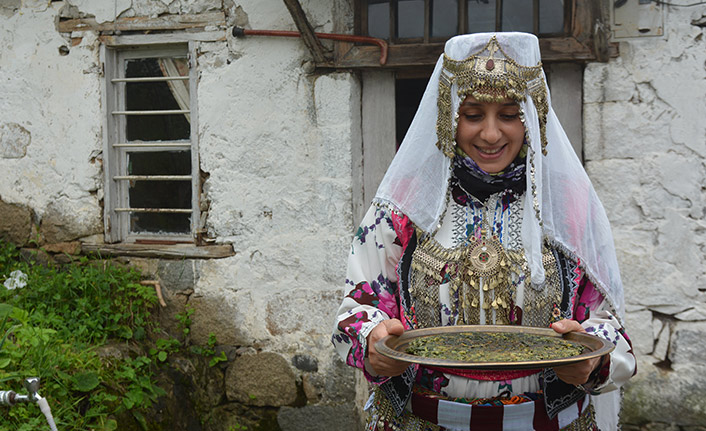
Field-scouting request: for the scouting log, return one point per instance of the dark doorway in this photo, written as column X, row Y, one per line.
column 408, row 94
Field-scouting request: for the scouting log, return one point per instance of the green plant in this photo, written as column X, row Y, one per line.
column 53, row 328
column 209, row 351
column 184, row 320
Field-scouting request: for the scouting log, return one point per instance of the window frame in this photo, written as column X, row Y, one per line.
column 116, row 223
column 586, row 38
column 462, row 22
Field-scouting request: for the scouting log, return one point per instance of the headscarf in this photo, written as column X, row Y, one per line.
column 560, row 204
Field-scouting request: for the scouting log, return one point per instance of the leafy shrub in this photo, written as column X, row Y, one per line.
column 53, row 327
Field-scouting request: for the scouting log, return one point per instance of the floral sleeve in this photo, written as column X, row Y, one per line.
column 371, row 293
column 592, row 311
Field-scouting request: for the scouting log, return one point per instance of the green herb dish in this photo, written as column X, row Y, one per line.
column 499, row 347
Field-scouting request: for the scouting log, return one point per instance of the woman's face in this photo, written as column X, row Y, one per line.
column 490, row 133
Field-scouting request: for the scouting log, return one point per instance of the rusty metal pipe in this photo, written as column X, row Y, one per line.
column 241, row 32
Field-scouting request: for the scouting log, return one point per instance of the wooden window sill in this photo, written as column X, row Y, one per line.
column 164, row 251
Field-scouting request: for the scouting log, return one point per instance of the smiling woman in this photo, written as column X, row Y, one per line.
column 485, row 217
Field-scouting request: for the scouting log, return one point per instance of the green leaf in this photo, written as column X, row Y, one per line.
column 162, row 356
column 124, row 332
column 5, row 309
column 4, row 362
column 110, row 425
column 86, row 382
column 216, row 359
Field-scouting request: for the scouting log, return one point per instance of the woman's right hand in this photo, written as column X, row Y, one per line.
column 382, row 365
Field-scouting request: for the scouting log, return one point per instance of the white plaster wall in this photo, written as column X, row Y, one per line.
column 57, row 100
column 645, row 149
column 275, row 140
column 277, row 145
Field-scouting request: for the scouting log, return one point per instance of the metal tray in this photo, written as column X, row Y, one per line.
column 394, row 347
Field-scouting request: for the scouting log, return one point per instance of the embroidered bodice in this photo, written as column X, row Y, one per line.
column 473, row 270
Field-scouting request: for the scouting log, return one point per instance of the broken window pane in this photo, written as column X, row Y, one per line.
column 444, row 18
column 410, row 19
column 551, row 16
column 379, row 18
column 518, row 16
column 481, row 15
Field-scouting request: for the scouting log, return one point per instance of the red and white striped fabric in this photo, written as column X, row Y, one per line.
column 528, row 416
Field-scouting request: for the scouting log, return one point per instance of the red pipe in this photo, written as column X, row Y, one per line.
column 239, row 32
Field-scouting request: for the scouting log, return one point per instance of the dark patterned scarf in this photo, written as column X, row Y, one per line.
column 474, row 180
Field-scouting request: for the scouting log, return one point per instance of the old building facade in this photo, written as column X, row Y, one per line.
column 274, row 154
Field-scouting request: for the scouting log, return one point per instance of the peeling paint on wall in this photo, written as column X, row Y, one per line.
column 14, row 140
column 102, row 10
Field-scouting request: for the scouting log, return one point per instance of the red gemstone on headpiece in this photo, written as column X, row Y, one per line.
column 490, row 65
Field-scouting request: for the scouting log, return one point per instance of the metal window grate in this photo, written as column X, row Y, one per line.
column 152, row 176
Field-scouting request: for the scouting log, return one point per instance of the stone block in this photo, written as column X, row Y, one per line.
column 263, row 379
column 305, row 362
column 639, row 328
column 73, row 247
column 290, row 313
column 311, row 391
column 215, row 315
column 616, row 181
column 687, row 344
column 15, row 223
column 234, row 416
column 655, row 396
column 698, row 313
column 66, row 220
column 341, row 417
column 178, row 275
column 337, row 382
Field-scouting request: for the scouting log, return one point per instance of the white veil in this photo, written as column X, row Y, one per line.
column 569, row 214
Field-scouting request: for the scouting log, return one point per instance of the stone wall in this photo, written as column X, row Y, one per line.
column 275, row 143
column 645, row 150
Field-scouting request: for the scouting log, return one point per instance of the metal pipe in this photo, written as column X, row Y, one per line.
column 154, row 210
column 160, row 112
column 152, row 177
column 151, row 79
column 240, row 32
column 155, row 144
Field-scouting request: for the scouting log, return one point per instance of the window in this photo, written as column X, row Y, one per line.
column 150, row 149
column 416, row 30
column 415, row 21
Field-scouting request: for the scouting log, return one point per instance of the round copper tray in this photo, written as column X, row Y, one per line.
column 394, row 347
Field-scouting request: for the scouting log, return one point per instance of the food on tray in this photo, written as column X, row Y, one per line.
column 493, row 347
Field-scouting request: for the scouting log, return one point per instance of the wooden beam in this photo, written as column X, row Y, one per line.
column 143, row 23
column 306, row 30
column 362, row 56
column 175, row 251
column 413, row 55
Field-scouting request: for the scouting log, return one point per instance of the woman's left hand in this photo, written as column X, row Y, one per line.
column 578, row 373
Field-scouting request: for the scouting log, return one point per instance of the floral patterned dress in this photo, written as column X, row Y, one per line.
column 387, row 279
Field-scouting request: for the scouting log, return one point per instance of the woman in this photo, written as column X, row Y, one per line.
column 485, row 216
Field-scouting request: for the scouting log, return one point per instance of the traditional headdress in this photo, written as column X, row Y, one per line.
column 560, row 205
column 489, row 75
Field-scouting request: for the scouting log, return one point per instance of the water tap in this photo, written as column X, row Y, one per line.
column 10, row 398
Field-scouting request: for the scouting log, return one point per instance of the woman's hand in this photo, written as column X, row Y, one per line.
column 382, row 365
column 578, row 373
